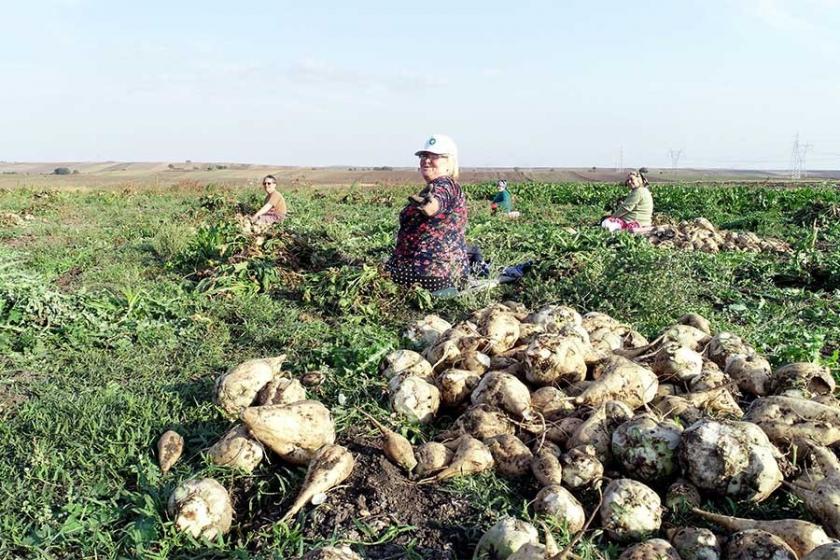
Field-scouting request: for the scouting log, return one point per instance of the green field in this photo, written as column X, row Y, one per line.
column 118, row 310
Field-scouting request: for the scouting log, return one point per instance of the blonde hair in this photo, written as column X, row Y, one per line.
column 454, row 169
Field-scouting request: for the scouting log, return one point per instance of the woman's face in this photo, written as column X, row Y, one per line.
column 269, row 186
column 634, row 181
column 433, row 166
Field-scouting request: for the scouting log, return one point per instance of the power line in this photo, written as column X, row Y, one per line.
column 798, row 153
column 782, row 162
column 675, row 157
column 796, row 159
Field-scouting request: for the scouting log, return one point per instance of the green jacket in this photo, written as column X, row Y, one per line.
column 637, row 206
column 504, row 201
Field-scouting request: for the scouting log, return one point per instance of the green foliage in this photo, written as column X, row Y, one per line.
column 170, row 241
column 209, row 246
column 214, row 201
column 627, row 278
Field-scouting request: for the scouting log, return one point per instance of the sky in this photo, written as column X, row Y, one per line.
column 729, row 83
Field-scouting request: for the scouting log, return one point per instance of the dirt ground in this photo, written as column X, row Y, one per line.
column 378, row 498
column 15, row 390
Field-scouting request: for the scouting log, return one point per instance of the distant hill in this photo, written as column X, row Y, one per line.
column 116, row 173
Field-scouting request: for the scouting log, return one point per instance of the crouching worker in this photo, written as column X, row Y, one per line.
column 273, row 209
column 430, row 248
column 503, row 202
column 636, row 210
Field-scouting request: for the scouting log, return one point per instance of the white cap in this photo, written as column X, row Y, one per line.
column 439, row 144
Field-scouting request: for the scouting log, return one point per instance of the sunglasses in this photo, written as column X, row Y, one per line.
column 433, row 157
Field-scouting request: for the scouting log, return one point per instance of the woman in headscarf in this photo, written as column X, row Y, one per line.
column 636, row 210
column 503, row 201
column 431, row 248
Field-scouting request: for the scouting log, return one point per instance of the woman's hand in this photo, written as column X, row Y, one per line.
column 428, row 204
column 432, row 207
column 419, row 199
column 266, row 207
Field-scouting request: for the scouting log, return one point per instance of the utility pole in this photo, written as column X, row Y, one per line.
column 675, row 158
column 795, row 161
column 798, row 155
column 619, row 163
column 805, row 148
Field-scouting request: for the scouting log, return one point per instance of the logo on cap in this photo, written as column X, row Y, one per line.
column 432, row 141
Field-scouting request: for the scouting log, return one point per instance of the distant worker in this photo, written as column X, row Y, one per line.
column 503, row 201
column 273, row 209
column 636, row 210
column 431, row 248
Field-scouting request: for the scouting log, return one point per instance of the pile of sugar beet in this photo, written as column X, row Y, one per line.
column 700, row 234
column 586, row 404
column 273, row 412
column 587, row 407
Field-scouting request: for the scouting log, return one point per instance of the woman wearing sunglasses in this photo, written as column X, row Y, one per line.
column 273, row 209
column 431, row 249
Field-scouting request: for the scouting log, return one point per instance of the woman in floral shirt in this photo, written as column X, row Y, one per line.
column 431, row 250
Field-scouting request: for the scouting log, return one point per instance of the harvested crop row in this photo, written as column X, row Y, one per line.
column 574, row 397
column 700, row 235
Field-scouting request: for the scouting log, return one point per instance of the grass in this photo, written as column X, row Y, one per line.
column 119, row 310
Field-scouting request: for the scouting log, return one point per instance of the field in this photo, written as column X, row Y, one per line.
column 113, row 174
column 119, row 307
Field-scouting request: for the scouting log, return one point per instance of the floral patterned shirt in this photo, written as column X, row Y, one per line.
column 432, row 246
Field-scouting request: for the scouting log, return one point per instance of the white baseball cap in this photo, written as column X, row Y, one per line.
column 439, row 144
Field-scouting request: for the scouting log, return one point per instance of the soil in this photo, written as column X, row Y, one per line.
column 291, row 251
column 378, row 496
column 68, row 281
column 19, row 241
column 14, row 391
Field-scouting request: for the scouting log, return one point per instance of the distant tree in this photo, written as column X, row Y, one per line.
column 188, row 161
column 594, row 168
column 61, row 171
column 75, row 172
column 171, row 166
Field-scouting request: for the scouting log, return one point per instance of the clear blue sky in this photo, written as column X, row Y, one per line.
column 562, row 83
